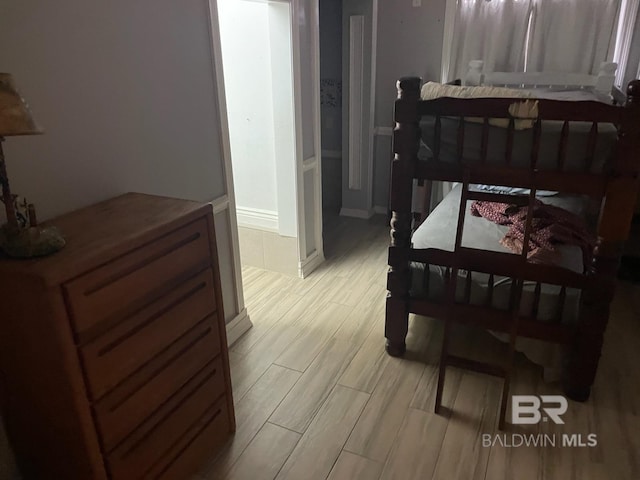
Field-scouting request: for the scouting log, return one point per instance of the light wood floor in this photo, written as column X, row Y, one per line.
column 317, row 397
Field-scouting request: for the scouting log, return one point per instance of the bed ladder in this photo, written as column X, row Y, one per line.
column 447, row 359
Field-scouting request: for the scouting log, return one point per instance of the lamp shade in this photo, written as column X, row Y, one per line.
column 15, row 116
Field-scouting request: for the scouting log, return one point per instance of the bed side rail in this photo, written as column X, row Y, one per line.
column 496, row 320
column 578, row 183
column 502, row 264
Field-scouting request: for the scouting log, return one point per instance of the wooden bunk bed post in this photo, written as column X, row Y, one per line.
column 613, row 230
column 406, row 133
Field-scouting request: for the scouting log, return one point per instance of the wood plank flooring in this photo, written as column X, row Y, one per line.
column 318, row 398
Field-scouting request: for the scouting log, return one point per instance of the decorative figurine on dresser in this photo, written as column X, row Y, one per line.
column 21, row 236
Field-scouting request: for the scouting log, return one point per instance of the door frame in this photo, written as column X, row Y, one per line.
column 226, row 205
column 305, row 13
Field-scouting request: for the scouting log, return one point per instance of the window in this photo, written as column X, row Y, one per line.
column 538, row 35
column 624, row 37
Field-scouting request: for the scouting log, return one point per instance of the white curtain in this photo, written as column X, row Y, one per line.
column 491, row 30
column 571, row 35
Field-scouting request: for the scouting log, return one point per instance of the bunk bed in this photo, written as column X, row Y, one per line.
column 524, row 153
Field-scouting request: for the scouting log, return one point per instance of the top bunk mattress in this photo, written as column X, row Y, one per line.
column 576, row 159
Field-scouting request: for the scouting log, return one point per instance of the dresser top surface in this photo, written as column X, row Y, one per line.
column 100, row 232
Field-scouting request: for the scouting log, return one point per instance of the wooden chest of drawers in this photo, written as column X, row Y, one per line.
column 113, row 351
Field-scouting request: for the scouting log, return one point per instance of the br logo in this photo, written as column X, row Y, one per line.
column 529, row 409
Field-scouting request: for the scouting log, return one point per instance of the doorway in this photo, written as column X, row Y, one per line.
column 257, row 61
column 271, row 74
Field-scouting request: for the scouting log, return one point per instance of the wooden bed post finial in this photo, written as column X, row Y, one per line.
column 409, row 88
column 633, row 93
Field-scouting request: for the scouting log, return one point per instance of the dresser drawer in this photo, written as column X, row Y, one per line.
column 137, row 276
column 156, row 437
column 195, row 447
column 127, row 406
column 113, row 356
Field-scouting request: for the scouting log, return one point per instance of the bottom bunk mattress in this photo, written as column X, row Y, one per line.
column 439, row 231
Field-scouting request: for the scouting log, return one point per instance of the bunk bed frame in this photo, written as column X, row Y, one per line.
column 616, row 188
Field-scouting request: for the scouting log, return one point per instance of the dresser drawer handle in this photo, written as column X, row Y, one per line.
column 141, row 440
column 215, row 415
column 164, row 365
column 108, row 281
column 113, row 344
column 195, row 437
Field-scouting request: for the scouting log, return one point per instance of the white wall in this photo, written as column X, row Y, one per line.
column 244, row 30
column 127, row 94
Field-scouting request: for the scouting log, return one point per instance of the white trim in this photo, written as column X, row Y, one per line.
column 447, row 39
column 218, row 77
column 220, row 204
column 257, row 218
column 624, row 37
column 305, row 14
column 332, row 153
column 383, row 131
column 356, row 76
column 297, row 112
column 296, row 18
column 356, row 213
column 319, row 242
column 238, row 326
column 372, row 103
column 380, row 210
column 312, row 262
column 309, row 163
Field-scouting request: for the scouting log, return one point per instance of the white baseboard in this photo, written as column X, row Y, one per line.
column 310, row 264
column 238, row 326
column 379, row 209
column 332, row 153
column 257, row 218
column 356, row 213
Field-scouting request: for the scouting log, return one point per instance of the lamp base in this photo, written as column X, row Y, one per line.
column 31, row 241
